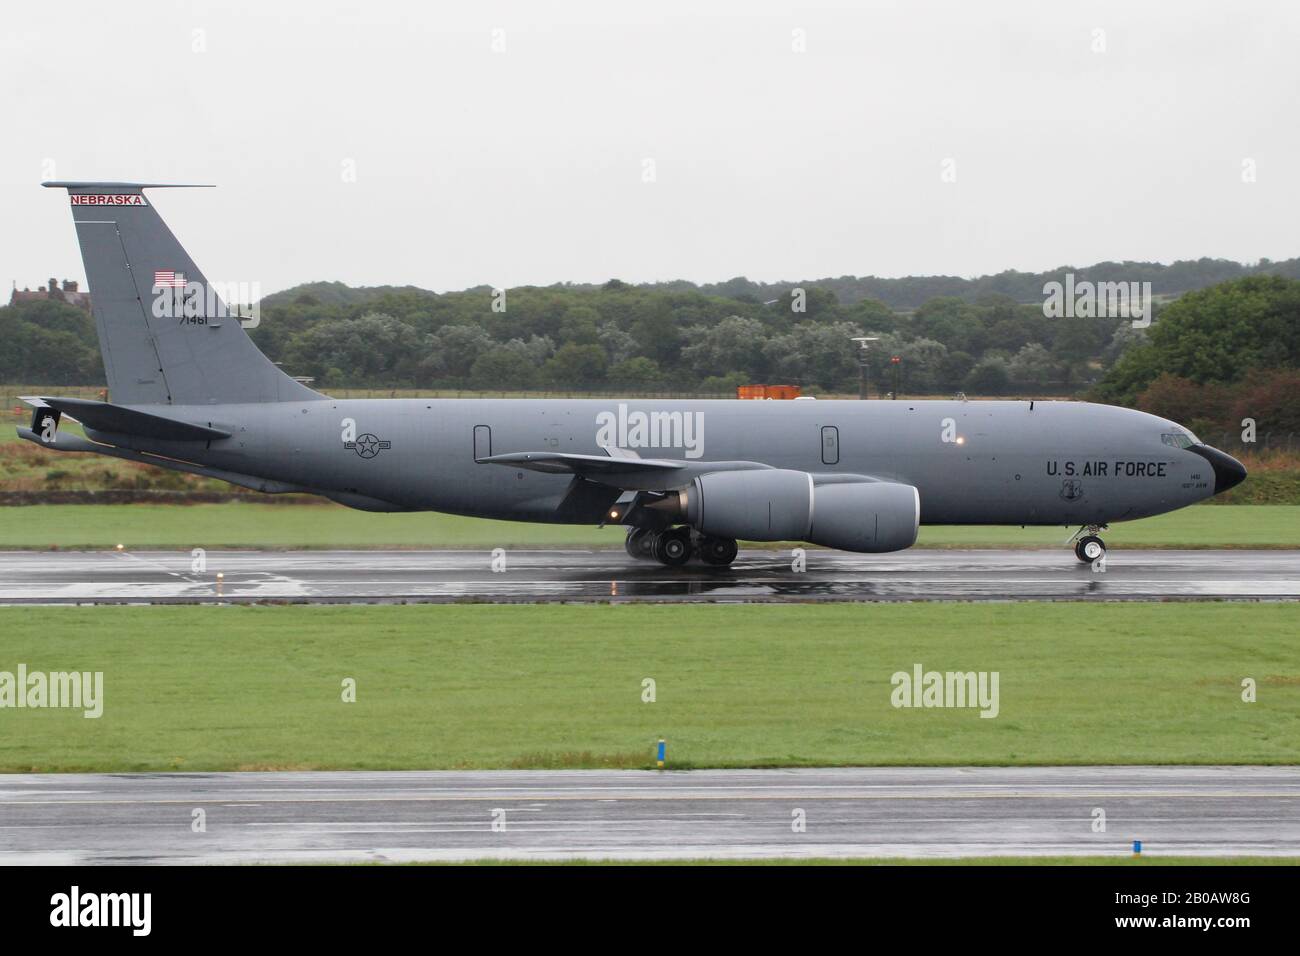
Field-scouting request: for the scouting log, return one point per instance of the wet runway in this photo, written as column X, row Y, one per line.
column 444, row 816
column 173, row 577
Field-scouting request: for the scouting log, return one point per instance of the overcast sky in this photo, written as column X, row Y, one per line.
column 390, row 143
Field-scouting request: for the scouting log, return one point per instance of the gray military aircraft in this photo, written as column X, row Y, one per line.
column 190, row 391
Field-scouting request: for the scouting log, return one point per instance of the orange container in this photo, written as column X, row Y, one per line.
column 781, row 392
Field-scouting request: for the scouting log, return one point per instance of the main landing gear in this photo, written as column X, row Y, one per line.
column 640, row 544
column 673, row 547
column 719, row 552
column 1089, row 547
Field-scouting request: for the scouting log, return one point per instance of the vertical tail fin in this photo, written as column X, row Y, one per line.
column 161, row 345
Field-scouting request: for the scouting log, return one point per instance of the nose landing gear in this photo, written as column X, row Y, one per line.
column 1089, row 547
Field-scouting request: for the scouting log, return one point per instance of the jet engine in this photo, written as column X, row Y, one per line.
column 781, row 505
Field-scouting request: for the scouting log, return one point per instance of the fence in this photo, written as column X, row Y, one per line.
column 1274, row 442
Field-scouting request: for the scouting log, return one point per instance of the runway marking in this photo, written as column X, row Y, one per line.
column 154, row 564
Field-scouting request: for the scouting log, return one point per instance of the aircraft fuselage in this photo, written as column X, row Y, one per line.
column 973, row 462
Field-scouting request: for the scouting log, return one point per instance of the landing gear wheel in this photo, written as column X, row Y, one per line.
column 640, row 544
column 673, row 548
column 718, row 551
column 1089, row 548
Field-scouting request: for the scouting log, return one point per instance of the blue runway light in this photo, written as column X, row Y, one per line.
column 1137, row 847
column 661, row 753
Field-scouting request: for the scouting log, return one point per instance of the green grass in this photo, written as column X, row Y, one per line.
column 260, row 525
column 492, row 686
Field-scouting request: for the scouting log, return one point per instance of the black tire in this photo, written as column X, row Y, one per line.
column 718, row 552
column 640, row 544
column 1089, row 548
column 673, row 548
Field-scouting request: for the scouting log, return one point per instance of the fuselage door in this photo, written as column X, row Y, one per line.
column 482, row 442
column 830, row 445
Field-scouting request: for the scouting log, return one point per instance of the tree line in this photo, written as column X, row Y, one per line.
column 653, row 338
column 622, row 336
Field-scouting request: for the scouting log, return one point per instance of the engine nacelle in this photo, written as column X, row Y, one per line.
column 781, row 505
column 765, row 505
column 866, row 516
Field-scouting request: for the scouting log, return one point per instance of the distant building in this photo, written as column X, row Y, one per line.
column 66, row 292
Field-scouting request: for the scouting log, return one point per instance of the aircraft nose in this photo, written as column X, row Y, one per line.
column 1228, row 472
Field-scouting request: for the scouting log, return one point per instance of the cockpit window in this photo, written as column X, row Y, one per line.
column 1179, row 439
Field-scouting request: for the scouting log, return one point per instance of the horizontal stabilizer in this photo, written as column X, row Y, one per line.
column 104, row 417
column 76, row 443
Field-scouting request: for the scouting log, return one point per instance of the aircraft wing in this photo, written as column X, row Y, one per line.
column 619, row 469
column 587, row 466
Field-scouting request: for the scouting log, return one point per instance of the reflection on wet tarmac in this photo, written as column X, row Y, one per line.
column 417, row 576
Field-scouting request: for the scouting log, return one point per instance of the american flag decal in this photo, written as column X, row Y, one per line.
column 168, row 279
